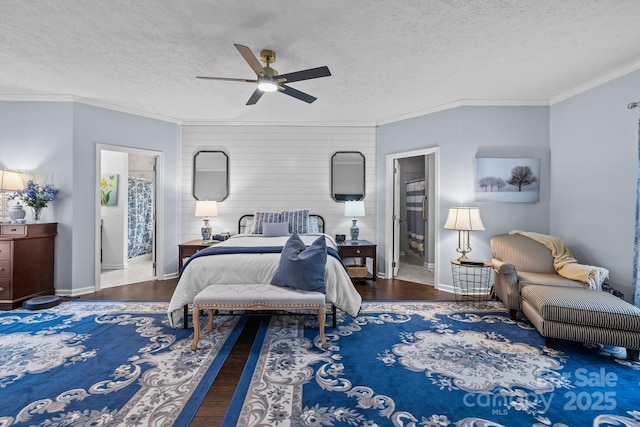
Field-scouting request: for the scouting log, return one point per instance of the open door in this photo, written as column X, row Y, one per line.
column 396, row 217
column 400, row 171
column 127, row 240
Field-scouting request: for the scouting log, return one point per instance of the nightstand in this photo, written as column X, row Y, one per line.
column 186, row 249
column 361, row 249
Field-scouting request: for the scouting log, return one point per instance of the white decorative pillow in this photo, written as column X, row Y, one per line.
column 275, row 229
column 248, row 227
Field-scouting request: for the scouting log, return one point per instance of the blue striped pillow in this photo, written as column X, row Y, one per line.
column 298, row 221
column 261, row 217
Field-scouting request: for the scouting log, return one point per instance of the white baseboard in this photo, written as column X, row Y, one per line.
column 445, row 288
column 75, row 292
column 114, row 266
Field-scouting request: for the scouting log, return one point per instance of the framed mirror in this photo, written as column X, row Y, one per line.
column 347, row 176
column 210, row 175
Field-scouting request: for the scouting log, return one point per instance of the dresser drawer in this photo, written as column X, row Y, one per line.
column 13, row 230
column 5, row 250
column 357, row 251
column 5, row 289
column 5, row 268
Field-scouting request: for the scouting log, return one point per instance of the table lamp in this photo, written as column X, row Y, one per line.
column 464, row 220
column 354, row 209
column 206, row 208
column 10, row 181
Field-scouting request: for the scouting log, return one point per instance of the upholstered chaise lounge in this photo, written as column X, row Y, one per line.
column 582, row 315
column 530, row 274
column 519, row 261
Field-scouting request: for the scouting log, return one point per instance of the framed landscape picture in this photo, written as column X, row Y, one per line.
column 507, row 180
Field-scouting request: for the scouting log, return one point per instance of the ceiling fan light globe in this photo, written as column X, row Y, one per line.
column 267, row 86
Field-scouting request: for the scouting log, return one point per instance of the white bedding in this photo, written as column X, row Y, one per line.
column 256, row 268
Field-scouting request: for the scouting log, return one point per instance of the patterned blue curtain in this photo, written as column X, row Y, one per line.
column 636, row 258
column 140, row 236
column 415, row 221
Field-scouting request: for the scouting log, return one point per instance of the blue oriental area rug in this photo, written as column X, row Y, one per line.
column 430, row 364
column 101, row 363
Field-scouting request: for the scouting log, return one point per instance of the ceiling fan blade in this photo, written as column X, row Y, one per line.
column 288, row 90
column 257, row 94
column 251, row 59
column 227, row 79
column 312, row 73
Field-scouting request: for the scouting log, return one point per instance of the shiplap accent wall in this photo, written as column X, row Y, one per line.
column 273, row 168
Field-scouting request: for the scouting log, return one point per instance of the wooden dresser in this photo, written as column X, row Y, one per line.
column 26, row 262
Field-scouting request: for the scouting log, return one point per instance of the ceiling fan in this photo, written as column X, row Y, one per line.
column 269, row 80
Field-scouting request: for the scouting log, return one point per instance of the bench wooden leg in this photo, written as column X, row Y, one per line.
column 321, row 319
column 196, row 329
column 548, row 342
column 633, row 355
column 512, row 313
column 210, row 311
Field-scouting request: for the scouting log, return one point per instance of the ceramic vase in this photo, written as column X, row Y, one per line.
column 17, row 213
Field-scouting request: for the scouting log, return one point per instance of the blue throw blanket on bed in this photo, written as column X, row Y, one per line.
column 223, row 250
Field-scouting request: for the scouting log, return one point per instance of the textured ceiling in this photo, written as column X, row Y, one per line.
column 388, row 59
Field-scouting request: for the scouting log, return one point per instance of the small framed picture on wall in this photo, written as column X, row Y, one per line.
column 109, row 189
column 507, row 180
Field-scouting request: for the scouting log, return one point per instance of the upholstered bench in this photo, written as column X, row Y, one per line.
column 583, row 315
column 255, row 297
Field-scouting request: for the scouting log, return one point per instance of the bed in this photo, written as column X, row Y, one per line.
column 252, row 257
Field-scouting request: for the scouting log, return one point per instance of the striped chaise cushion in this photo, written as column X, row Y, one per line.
column 583, row 307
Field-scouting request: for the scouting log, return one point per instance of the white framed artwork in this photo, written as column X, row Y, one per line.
column 507, row 180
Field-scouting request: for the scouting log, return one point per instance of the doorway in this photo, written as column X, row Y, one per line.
column 128, row 205
column 412, row 200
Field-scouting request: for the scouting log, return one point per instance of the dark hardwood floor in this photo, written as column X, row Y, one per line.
column 212, row 410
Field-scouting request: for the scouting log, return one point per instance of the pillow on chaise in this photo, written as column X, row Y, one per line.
column 302, row 267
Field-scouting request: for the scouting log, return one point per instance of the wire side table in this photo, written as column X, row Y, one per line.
column 471, row 282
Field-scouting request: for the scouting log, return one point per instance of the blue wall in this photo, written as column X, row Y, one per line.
column 594, row 144
column 462, row 134
column 588, row 144
column 38, row 137
column 93, row 126
column 59, row 139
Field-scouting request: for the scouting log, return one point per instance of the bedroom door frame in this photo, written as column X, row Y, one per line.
column 158, row 242
column 392, row 216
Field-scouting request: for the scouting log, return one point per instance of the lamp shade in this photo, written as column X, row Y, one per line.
column 354, row 208
column 464, row 219
column 206, row 208
column 10, row 180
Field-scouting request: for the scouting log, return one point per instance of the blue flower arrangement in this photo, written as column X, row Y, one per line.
column 37, row 196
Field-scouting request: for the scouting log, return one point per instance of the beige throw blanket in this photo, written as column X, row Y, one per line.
column 565, row 264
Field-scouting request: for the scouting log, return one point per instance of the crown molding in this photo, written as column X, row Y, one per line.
column 469, row 103
column 119, row 108
column 36, row 97
column 86, row 101
column 205, row 122
column 620, row 72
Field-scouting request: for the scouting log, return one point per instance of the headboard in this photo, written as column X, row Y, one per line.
column 242, row 222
